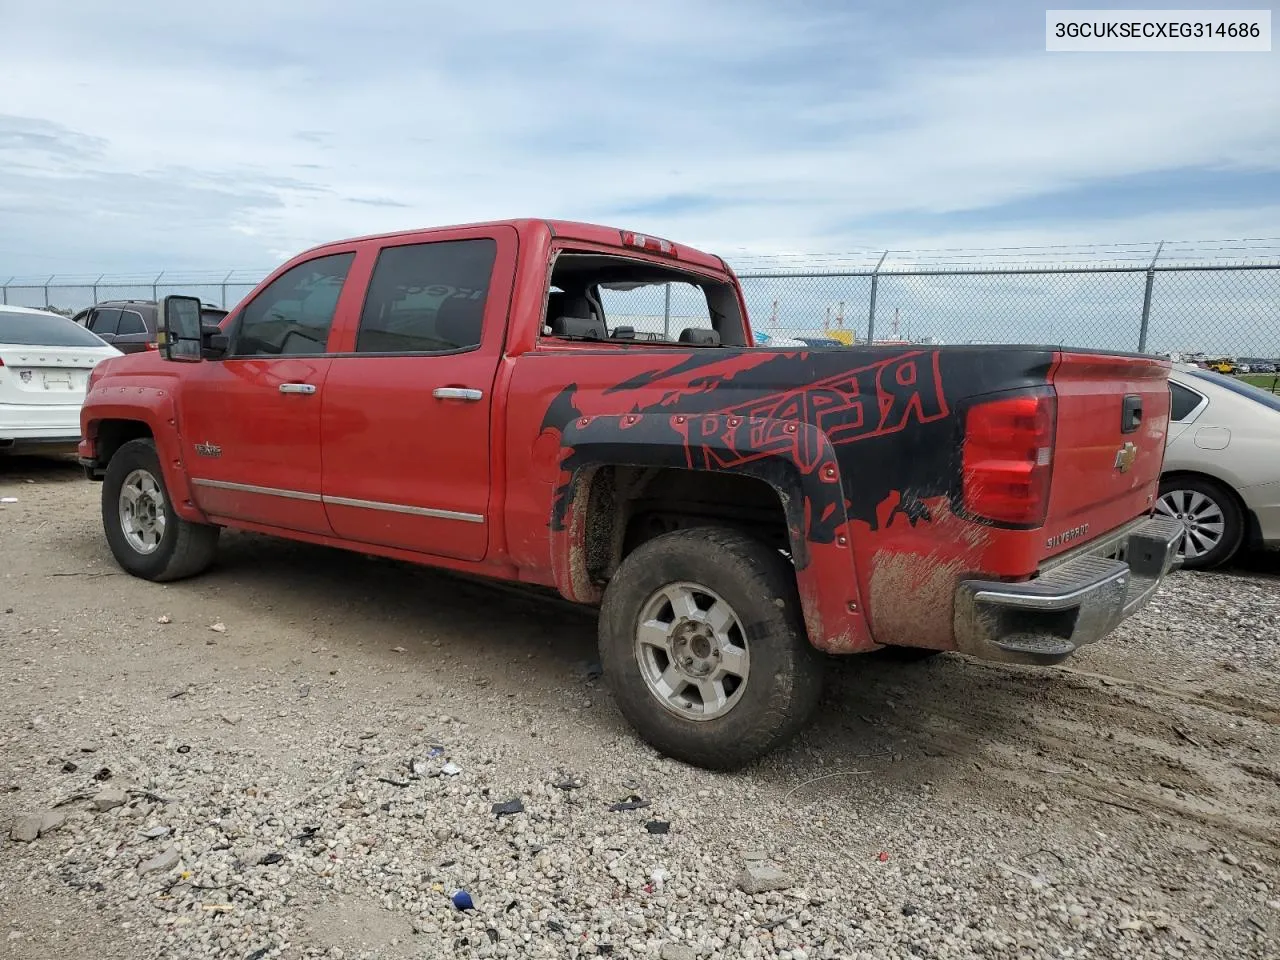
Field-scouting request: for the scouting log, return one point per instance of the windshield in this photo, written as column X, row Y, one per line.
column 43, row 330
column 1239, row 387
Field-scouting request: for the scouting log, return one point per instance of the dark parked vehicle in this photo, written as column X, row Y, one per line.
column 131, row 325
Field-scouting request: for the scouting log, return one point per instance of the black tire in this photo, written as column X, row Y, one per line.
column 784, row 679
column 184, row 549
column 1232, row 518
column 907, row 654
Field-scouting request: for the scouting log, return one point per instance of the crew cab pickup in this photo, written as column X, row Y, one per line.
column 482, row 398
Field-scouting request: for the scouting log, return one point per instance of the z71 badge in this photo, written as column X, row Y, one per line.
column 208, row 450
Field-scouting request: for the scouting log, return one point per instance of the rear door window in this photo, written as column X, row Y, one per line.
column 105, row 320
column 427, row 297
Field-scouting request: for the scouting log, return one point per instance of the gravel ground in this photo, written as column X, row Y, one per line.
column 299, row 755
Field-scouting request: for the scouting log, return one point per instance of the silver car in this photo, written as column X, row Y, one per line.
column 1222, row 466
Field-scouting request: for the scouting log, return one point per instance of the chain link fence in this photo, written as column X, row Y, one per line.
column 1213, row 301
column 70, row 294
column 1210, row 311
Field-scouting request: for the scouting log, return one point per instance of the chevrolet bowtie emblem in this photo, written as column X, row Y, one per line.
column 1125, row 457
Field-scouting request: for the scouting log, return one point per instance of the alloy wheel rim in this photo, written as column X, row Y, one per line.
column 142, row 518
column 1203, row 523
column 692, row 651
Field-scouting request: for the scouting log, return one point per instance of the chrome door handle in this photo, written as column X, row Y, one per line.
column 457, row 393
column 297, row 388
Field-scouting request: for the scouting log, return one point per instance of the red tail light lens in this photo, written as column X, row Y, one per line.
column 1008, row 458
column 152, row 345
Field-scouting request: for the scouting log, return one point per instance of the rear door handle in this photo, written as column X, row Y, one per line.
column 297, row 388
column 457, row 393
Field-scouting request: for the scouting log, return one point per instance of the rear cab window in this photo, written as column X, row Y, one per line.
column 621, row 299
column 39, row 330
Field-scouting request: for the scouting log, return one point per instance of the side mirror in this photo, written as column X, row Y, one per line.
column 180, row 336
column 214, row 343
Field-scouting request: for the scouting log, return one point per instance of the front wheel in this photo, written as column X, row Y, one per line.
column 147, row 538
column 703, row 646
column 1212, row 523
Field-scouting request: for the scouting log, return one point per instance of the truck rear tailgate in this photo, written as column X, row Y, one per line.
column 1112, row 414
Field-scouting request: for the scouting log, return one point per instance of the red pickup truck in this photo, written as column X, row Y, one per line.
column 471, row 398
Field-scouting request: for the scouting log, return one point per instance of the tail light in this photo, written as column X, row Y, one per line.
column 152, row 345
column 1008, row 458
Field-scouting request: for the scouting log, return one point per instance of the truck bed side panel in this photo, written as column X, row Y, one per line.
column 888, row 414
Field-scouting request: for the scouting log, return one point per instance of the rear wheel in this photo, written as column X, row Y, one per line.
column 147, row 538
column 1212, row 522
column 703, row 647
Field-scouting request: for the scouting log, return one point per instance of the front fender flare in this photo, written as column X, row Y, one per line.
column 154, row 407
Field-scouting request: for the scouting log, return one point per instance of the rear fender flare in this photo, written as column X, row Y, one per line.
column 795, row 459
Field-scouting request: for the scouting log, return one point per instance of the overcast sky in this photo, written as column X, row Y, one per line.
column 147, row 136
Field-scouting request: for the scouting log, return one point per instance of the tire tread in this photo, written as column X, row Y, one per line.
column 737, row 739
column 195, row 544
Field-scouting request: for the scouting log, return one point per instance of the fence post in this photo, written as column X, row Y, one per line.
column 666, row 313
column 4, row 291
column 95, row 287
column 46, row 289
column 155, row 286
column 224, row 288
column 1146, row 299
column 871, row 313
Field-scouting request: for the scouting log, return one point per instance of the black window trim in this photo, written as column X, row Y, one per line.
column 1196, row 410
column 368, row 288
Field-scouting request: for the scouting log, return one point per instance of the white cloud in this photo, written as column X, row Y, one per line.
column 271, row 127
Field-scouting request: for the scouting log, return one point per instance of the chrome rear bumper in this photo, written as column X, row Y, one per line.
column 1073, row 602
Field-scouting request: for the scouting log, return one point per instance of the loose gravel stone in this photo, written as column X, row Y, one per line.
column 762, row 878
column 109, row 799
column 161, row 862
column 26, row 827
